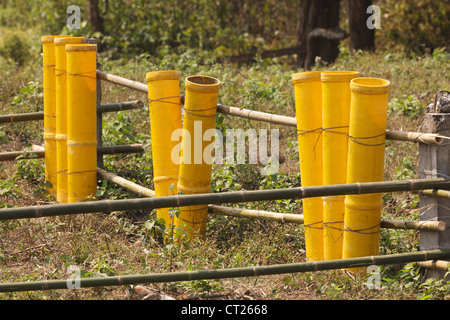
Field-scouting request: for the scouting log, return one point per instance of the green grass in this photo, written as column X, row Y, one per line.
column 130, row 242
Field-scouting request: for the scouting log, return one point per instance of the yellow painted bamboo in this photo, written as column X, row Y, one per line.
column 81, row 122
column 61, row 114
column 194, row 176
column 335, row 123
column 165, row 117
column 367, row 135
column 308, row 105
column 49, row 88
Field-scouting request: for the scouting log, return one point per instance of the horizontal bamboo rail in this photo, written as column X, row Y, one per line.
column 429, row 138
column 255, row 271
column 266, row 215
column 218, row 198
column 299, row 219
column 436, row 193
column 112, row 107
column 36, row 154
column 434, row 264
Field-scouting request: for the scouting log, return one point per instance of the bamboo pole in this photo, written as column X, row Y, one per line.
column 335, row 124
column 120, row 106
column 21, row 117
column 122, row 81
column 255, row 271
column 274, row 118
column 308, row 108
column 267, row 215
column 366, row 153
column 436, row 193
column 61, row 114
column 220, row 198
column 32, row 116
column 434, row 264
column 195, row 165
column 165, row 119
column 37, row 154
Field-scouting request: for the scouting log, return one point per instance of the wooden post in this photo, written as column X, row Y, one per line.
column 435, row 162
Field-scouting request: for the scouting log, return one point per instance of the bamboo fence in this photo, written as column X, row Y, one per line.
column 255, row 271
column 36, row 154
column 428, row 138
column 220, row 198
column 267, row 215
column 104, row 108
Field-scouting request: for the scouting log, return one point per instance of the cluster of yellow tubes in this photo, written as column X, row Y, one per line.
column 69, row 72
column 70, row 110
column 179, row 167
column 341, row 125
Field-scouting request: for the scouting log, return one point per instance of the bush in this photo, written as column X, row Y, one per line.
column 16, row 49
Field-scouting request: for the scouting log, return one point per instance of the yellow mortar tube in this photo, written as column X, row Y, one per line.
column 81, row 122
column 61, row 114
column 49, row 88
column 366, row 150
column 308, row 105
column 194, row 176
column 165, row 118
column 335, row 126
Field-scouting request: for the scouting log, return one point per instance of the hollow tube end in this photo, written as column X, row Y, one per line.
column 306, row 76
column 204, row 84
column 81, row 47
column 162, row 75
column 60, row 41
column 374, row 86
column 338, row 76
column 51, row 39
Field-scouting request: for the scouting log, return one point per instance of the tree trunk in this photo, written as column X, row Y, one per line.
column 315, row 14
column 94, row 17
column 361, row 37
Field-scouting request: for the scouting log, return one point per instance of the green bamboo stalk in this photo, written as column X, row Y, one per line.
column 21, row 117
column 33, row 116
column 255, row 271
column 267, row 215
column 220, row 198
column 33, row 154
column 121, row 106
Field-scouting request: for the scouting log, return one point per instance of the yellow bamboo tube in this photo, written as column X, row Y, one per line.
column 61, row 114
column 366, row 149
column 335, row 126
column 81, row 122
column 49, row 88
column 308, row 105
column 165, row 118
column 194, row 176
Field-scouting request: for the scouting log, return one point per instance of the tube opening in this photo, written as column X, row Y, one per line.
column 339, row 75
column 81, row 47
column 306, row 76
column 162, row 75
column 370, row 85
column 202, row 80
column 68, row 39
column 202, row 84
